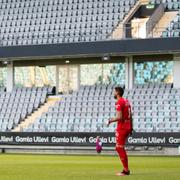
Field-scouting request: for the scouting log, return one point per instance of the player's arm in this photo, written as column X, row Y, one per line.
column 117, row 118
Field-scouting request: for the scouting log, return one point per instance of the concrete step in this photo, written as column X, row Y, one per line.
column 163, row 23
column 144, row 2
column 38, row 113
column 119, row 31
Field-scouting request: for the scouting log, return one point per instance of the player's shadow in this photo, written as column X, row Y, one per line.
column 143, row 173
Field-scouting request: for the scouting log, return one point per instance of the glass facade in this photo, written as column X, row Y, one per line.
column 22, row 76
column 150, row 72
column 103, row 74
column 90, row 74
column 35, row 76
column 3, row 75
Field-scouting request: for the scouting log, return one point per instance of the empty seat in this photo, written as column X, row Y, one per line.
column 91, row 115
column 15, row 107
column 99, row 16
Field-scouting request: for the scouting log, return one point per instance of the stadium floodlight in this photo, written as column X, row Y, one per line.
column 6, row 62
column 67, row 61
column 106, row 57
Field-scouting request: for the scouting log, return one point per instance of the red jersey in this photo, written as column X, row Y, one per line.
column 124, row 106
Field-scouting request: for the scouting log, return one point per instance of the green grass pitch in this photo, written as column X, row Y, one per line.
column 59, row 167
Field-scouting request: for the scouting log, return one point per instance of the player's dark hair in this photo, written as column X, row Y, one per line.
column 120, row 90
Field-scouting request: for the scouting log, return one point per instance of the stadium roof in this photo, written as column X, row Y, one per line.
column 162, row 48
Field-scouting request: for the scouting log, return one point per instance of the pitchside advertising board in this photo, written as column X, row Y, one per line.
column 87, row 139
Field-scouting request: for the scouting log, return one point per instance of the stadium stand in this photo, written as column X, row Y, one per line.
column 46, row 22
column 17, row 105
column 35, row 22
column 49, row 22
column 156, row 108
column 81, row 111
column 173, row 29
column 169, row 4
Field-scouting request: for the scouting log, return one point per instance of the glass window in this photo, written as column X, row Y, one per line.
column 91, row 74
column 35, row 76
column 103, row 74
column 3, row 75
column 149, row 72
column 22, row 76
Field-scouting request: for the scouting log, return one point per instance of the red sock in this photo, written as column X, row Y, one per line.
column 123, row 157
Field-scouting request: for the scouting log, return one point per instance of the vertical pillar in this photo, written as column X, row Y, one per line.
column 57, row 79
column 102, row 75
column 33, row 78
column 68, row 78
column 10, row 77
column 129, row 77
column 78, row 76
column 176, row 72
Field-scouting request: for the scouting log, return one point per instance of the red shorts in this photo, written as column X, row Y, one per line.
column 121, row 136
